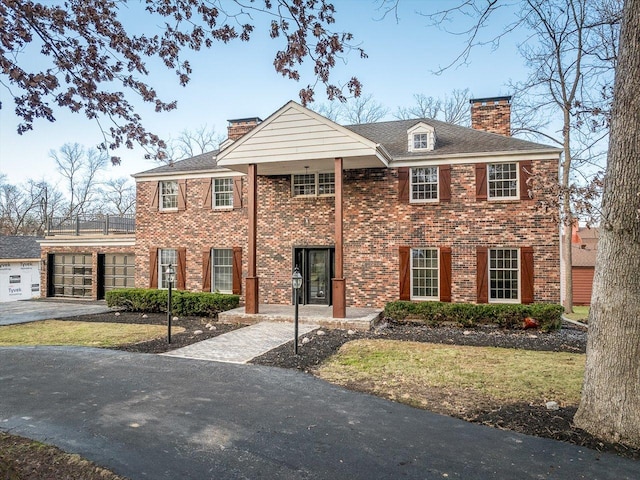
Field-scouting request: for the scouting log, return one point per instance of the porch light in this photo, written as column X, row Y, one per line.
column 296, row 283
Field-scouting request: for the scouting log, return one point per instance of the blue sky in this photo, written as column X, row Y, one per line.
column 237, row 80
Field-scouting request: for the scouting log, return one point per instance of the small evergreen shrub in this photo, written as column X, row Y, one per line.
column 183, row 303
column 548, row 315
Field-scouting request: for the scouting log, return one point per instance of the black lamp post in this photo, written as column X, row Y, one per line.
column 170, row 273
column 296, row 282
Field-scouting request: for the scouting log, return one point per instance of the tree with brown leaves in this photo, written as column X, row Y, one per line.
column 87, row 61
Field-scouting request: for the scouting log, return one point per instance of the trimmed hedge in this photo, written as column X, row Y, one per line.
column 183, row 303
column 470, row 315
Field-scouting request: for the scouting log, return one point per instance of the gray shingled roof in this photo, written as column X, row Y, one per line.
column 202, row 162
column 450, row 139
column 14, row 247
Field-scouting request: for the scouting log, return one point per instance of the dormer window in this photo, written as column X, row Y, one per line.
column 420, row 141
column 421, row 137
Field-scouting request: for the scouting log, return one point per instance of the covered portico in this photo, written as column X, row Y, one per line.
column 292, row 141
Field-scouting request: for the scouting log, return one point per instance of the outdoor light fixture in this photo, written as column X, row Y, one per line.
column 296, row 282
column 171, row 275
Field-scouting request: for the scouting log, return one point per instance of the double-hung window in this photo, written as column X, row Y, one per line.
column 504, row 274
column 222, row 270
column 169, row 195
column 313, row 184
column 424, row 184
column 503, row 181
column 222, row 192
column 167, row 257
column 424, row 274
column 420, row 141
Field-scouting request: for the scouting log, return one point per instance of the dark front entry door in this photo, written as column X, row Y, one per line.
column 316, row 267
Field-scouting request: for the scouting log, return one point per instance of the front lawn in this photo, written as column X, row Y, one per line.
column 85, row 334
column 580, row 313
column 452, row 379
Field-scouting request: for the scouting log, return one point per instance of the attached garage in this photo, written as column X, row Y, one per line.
column 115, row 270
column 72, row 275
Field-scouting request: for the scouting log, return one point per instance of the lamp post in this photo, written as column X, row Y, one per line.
column 296, row 282
column 170, row 273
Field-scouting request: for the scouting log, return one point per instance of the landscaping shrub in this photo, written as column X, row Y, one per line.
column 183, row 303
column 470, row 315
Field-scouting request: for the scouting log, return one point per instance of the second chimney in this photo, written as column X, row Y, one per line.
column 237, row 128
column 491, row 115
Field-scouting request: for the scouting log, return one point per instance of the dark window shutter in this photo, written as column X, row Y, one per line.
column 482, row 275
column 403, row 184
column 444, row 180
column 445, row 274
column 237, row 271
column 237, row 192
column 156, row 196
column 153, row 268
column 481, row 181
column 208, row 203
column 182, row 269
column 182, row 194
column 206, row 270
column 526, row 272
column 405, row 273
column 525, row 174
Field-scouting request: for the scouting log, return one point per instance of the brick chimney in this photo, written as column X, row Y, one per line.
column 237, row 128
column 491, row 115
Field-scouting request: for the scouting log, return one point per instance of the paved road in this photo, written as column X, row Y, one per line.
column 155, row 417
column 33, row 310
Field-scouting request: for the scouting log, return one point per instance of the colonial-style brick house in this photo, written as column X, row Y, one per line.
column 410, row 209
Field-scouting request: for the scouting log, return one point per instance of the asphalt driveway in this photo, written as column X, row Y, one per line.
column 156, row 417
column 33, row 310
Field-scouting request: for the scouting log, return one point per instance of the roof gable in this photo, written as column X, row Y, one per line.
column 299, row 137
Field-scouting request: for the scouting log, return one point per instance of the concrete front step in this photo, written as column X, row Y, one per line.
column 362, row 319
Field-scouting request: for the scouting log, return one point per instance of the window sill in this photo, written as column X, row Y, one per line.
column 423, row 202
column 168, row 210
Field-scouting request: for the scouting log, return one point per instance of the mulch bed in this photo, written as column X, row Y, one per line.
column 525, row 418
column 196, row 329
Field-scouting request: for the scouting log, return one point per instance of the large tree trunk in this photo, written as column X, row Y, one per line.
column 610, row 404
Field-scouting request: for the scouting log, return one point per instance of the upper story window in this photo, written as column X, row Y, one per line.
column 504, row 272
column 424, row 184
column 503, row 181
column 313, row 184
column 421, row 137
column 424, row 274
column 166, row 257
column 420, row 141
column 223, row 193
column 169, row 195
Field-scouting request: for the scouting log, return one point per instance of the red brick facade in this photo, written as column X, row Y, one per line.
column 376, row 223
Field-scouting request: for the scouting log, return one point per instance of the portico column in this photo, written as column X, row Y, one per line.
column 251, row 292
column 338, row 283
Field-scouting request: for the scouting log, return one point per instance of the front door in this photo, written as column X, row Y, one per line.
column 316, row 267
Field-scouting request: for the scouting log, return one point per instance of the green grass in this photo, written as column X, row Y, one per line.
column 86, row 334
column 580, row 313
column 404, row 370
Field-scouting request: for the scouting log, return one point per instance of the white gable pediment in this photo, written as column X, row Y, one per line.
column 295, row 137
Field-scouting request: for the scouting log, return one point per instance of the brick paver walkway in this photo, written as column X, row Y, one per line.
column 240, row 346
